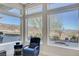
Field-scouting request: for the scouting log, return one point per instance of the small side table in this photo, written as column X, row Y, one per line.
column 2, row 53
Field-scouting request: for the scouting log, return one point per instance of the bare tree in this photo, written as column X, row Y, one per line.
column 56, row 24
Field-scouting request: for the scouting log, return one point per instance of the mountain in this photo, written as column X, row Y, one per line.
column 8, row 28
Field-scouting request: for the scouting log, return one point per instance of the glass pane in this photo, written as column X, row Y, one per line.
column 35, row 27
column 15, row 11
column 10, row 29
column 57, row 5
column 34, row 9
column 64, row 29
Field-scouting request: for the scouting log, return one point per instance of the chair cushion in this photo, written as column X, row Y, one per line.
column 32, row 45
column 29, row 52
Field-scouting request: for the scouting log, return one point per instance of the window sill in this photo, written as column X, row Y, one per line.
column 8, row 43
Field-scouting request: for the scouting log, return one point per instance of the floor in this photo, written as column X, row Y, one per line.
column 9, row 48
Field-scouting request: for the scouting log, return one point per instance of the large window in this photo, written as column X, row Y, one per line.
column 63, row 29
column 34, row 21
column 15, row 11
column 9, row 24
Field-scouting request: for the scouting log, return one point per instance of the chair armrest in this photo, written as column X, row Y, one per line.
column 36, row 47
column 25, row 46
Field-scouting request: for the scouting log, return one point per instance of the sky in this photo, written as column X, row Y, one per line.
column 9, row 19
column 68, row 19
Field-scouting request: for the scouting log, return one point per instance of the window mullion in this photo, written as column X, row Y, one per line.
column 44, row 24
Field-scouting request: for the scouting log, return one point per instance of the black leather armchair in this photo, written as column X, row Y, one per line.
column 33, row 48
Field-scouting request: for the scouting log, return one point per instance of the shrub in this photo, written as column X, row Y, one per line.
column 55, row 38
